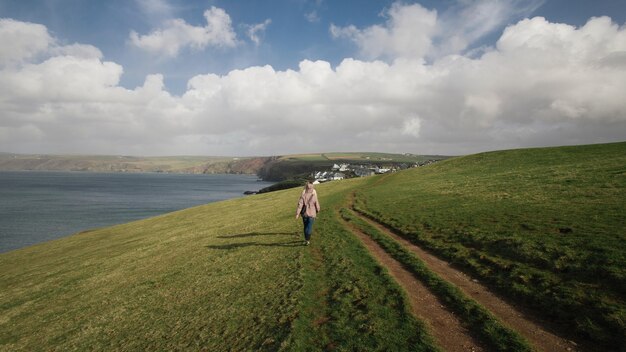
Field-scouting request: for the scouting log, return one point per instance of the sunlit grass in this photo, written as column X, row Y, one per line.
column 478, row 320
column 190, row 278
column 232, row 275
column 546, row 226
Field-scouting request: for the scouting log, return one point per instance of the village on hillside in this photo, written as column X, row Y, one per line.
column 343, row 171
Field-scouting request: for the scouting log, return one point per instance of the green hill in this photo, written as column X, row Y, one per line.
column 118, row 163
column 299, row 166
column 271, row 168
column 544, row 227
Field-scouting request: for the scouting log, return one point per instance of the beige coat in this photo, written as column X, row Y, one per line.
column 312, row 204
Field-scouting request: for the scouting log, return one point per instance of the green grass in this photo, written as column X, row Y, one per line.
column 356, row 157
column 300, row 166
column 304, row 157
column 358, row 306
column 478, row 320
column 380, row 158
column 226, row 276
column 186, row 280
column 545, row 226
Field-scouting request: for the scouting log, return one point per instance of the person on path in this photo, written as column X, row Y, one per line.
column 308, row 207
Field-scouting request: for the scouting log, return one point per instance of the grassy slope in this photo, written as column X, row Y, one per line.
column 226, row 276
column 546, row 226
column 379, row 157
column 358, row 157
column 478, row 320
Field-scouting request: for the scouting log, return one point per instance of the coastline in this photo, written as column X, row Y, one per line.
column 38, row 206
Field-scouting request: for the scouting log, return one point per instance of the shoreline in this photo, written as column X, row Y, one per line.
column 43, row 205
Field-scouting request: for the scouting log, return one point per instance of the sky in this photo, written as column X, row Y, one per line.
column 252, row 78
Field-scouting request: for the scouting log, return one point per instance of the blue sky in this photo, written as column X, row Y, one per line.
column 423, row 46
column 290, row 37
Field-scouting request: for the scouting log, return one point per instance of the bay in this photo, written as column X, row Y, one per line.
column 40, row 206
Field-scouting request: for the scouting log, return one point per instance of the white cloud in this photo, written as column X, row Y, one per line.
column 253, row 31
column 312, row 16
column 22, row 40
column 77, row 50
column 412, row 31
column 542, row 84
column 407, row 33
column 469, row 21
column 412, row 127
column 178, row 34
column 155, row 7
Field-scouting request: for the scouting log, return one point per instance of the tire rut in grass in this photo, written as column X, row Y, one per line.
column 445, row 327
column 530, row 327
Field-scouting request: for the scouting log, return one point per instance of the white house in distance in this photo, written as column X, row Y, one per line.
column 325, row 176
column 363, row 172
column 382, row 170
column 341, row 167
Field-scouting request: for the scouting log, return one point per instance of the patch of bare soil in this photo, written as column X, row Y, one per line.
column 540, row 336
column 443, row 325
column 249, row 166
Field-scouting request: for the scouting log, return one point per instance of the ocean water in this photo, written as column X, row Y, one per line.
column 41, row 206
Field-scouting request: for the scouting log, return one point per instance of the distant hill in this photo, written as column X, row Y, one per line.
column 299, row 165
column 272, row 168
column 98, row 163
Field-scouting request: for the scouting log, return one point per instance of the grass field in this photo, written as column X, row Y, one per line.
column 478, row 320
column 380, row 157
column 305, row 157
column 543, row 226
column 227, row 276
column 362, row 157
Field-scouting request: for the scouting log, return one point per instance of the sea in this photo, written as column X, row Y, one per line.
column 38, row 206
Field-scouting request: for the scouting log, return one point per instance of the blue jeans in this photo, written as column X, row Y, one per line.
column 308, row 226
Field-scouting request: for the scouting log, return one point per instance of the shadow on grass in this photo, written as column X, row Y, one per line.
column 256, row 234
column 258, row 244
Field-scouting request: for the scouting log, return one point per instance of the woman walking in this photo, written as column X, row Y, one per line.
column 308, row 207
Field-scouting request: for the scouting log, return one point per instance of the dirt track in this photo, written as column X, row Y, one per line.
column 535, row 331
column 444, row 326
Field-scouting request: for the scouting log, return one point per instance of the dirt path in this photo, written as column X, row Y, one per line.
column 529, row 327
column 443, row 325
